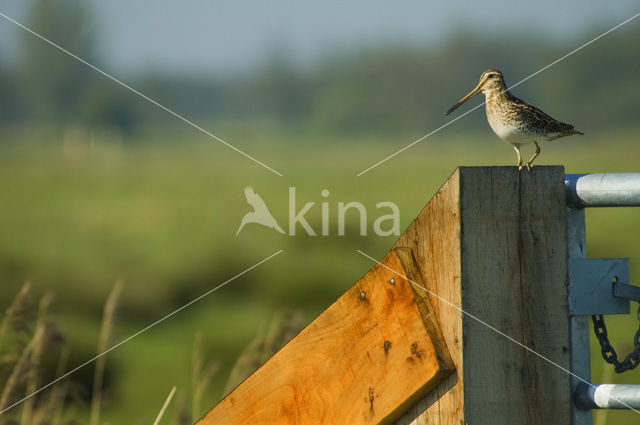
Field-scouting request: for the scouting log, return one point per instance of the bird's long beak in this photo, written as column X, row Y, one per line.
column 472, row 93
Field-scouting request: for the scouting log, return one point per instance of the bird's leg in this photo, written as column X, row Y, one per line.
column 519, row 157
column 535, row 154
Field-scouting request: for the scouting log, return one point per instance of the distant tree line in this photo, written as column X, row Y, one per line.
column 373, row 90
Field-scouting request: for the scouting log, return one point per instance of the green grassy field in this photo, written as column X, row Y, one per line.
column 162, row 219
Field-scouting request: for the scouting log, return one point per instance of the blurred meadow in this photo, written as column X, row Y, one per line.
column 100, row 188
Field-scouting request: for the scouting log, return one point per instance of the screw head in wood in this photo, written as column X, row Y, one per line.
column 363, row 296
column 392, row 281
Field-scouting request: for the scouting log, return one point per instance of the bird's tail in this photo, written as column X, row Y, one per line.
column 572, row 130
column 241, row 225
column 277, row 227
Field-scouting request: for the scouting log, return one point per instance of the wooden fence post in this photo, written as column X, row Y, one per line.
column 365, row 360
column 493, row 241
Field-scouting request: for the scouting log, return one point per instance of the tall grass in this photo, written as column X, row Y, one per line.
column 164, row 406
column 19, row 313
column 105, row 332
column 29, row 333
column 201, row 376
column 36, row 355
column 16, row 326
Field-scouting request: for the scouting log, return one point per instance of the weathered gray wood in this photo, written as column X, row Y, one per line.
column 492, row 240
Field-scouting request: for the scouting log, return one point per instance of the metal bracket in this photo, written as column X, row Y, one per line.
column 629, row 292
column 592, row 289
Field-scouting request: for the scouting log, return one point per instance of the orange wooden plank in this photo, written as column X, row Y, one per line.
column 339, row 369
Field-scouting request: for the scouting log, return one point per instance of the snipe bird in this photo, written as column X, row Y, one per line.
column 514, row 120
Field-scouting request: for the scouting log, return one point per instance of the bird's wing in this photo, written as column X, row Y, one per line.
column 254, row 199
column 538, row 118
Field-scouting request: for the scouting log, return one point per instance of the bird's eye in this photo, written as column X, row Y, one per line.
column 490, row 76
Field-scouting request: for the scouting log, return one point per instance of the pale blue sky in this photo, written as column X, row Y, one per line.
column 214, row 36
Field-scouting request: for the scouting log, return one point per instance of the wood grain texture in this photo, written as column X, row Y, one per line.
column 434, row 238
column 492, row 240
column 337, row 370
column 513, row 277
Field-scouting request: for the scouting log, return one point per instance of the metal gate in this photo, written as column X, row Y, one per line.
column 597, row 287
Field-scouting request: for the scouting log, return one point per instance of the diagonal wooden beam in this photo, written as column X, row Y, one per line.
column 365, row 360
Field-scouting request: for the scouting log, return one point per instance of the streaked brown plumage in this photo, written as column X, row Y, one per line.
column 514, row 120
